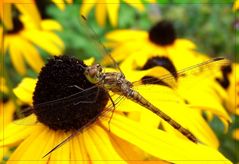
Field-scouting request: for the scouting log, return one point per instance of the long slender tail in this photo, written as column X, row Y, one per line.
column 136, row 97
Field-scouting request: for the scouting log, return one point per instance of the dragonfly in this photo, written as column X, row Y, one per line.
column 117, row 83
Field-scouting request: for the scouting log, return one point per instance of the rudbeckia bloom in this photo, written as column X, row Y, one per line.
column 104, row 7
column 62, row 76
column 159, row 40
column 137, row 47
column 230, row 82
column 19, row 43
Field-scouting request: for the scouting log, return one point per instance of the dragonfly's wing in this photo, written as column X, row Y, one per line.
column 207, row 69
column 94, row 40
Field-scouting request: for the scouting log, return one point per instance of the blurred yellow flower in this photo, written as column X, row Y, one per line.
column 199, row 89
column 104, row 7
column 236, row 5
column 95, row 142
column 26, row 7
column 159, row 40
column 230, row 82
column 19, row 43
column 137, row 47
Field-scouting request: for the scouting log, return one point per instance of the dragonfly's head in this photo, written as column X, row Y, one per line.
column 93, row 73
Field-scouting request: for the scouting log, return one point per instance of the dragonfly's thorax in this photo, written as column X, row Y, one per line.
column 115, row 82
column 112, row 81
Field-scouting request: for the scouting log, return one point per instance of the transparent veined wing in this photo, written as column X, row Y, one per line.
column 205, row 69
column 100, row 49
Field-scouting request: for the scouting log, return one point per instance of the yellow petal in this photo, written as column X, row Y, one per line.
column 206, row 98
column 62, row 153
column 25, row 90
column 15, row 49
column 33, row 147
column 91, row 148
column 130, row 152
column 100, row 12
column 103, row 144
column 7, row 110
column 99, row 147
column 184, row 43
column 60, row 4
column 89, row 61
column 112, row 7
column 6, row 15
column 122, row 51
column 126, row 35
column 47, row 40
column 49, row 24
column 32, row 57
column 161, row 144
column 14, row 133
column 29, row 9
column 86, row 7
column 78, row 151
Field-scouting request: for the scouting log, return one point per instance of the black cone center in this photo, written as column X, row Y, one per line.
column 63, row 98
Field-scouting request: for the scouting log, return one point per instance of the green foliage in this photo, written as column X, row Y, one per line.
column 210, row 26
column 228, row 146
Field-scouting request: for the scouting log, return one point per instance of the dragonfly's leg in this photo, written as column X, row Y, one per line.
column 76, row 86
column 89, row 101
column 112, row 111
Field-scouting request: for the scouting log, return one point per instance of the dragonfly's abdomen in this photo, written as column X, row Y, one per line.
column 136, row 97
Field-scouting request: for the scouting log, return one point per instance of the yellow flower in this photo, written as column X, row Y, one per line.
column 104, row 7
column 159, row 40
column 95, row 143
column 26, row 7
column 19, row 43
column 137, row 47
column 236, row 5
column 230, row 82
